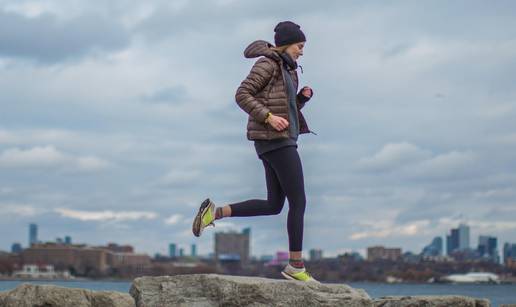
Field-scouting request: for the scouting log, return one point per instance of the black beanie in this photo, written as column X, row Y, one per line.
column 288, row 33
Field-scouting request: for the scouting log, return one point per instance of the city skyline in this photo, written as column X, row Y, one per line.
column 174, row 249
column 119, row 118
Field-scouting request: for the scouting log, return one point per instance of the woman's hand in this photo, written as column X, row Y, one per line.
column 277, row 122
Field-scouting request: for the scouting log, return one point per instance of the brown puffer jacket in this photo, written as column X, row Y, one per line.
column 264, row 91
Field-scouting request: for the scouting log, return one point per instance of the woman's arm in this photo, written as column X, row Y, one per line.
column 257, row 80
column 304, row 96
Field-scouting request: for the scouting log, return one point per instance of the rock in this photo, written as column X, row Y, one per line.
column 431, row 301
column 29, row 295
column 201, row 290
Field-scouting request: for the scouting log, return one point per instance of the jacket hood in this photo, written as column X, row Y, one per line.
column 261, row 48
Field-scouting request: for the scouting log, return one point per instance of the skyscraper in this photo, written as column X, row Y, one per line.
column 16, row 248
column 458, row 239
column 463, row 236
column 172, row 250
column 68, row 240
column 193, row 251
column 434, row 249
column 452, row 241
column 33, row 234
column 487, row 246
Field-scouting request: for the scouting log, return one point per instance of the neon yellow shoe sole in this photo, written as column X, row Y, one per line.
column 204, row 217
column 301, row 276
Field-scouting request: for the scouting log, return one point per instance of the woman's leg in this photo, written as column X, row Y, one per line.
column 254, row 207
column 289, row 171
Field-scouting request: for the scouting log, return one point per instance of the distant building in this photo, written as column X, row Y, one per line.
column 458, row 240
column 68, row 240
column 434, row 249
column 487, row 248
column 114, row 247
column 266, row 258
column 316, row 254
column 233, row 246
column 382, row 253
column 83, row 260
column 16, row 248
column 181, row 252
column 33, row 234
column 463, row 237
column 193, row 250
column 172, row 250
column 351, row 256
column 509, row 254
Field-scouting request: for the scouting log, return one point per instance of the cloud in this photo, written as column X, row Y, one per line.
column 18, row 209
column 91, row 163
column 169, row 95
column 450, row 165
column 49, row 156
column 46, row 39
column 179, row 178
column 34, row 157
column 389, row 229
column 392, row 156
column 173, row 219
column 106, row 215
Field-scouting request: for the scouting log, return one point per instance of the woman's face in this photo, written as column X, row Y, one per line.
column 295, row 50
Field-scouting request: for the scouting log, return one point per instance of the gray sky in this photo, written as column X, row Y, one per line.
column 118, row 118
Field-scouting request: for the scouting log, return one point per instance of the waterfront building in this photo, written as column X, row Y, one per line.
column 172, row 250
column 316, row 254
column 382, row 253
column 16, row 248
column 434, row 249
column 33, row 234
column 233, row 246
column 458, row 239
column 193, row 250
column 487, row 248
column 509, row 254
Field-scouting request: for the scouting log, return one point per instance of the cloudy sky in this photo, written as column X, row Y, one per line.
column 118, row 118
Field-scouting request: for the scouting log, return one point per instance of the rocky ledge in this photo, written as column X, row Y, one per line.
column 201, row 290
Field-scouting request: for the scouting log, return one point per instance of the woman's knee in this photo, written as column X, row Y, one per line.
column 276, row 207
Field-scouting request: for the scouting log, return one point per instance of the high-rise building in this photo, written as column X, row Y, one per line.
column 463, row 236
column 193, row 250
column 487, row 247
column 452, row 241
column 458, row 239
column 16, row 248
column 181, row 252
column 172, row 250
column 316, row 254
column 33, row 234
column 433, row 249
column 509, row 253
column 233, row 246
column 68, row 240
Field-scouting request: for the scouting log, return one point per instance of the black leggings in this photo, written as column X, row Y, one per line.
column 284, row 176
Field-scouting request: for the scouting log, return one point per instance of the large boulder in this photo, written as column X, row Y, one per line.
column 28, row 295
column 199, row 290
column 431, row 301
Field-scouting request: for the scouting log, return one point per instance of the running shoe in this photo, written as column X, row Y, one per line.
column 289, row 272
column 204, row 217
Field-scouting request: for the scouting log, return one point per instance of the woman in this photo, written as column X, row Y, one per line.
column 269, row 95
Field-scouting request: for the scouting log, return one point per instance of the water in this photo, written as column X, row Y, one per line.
column 497, row 294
